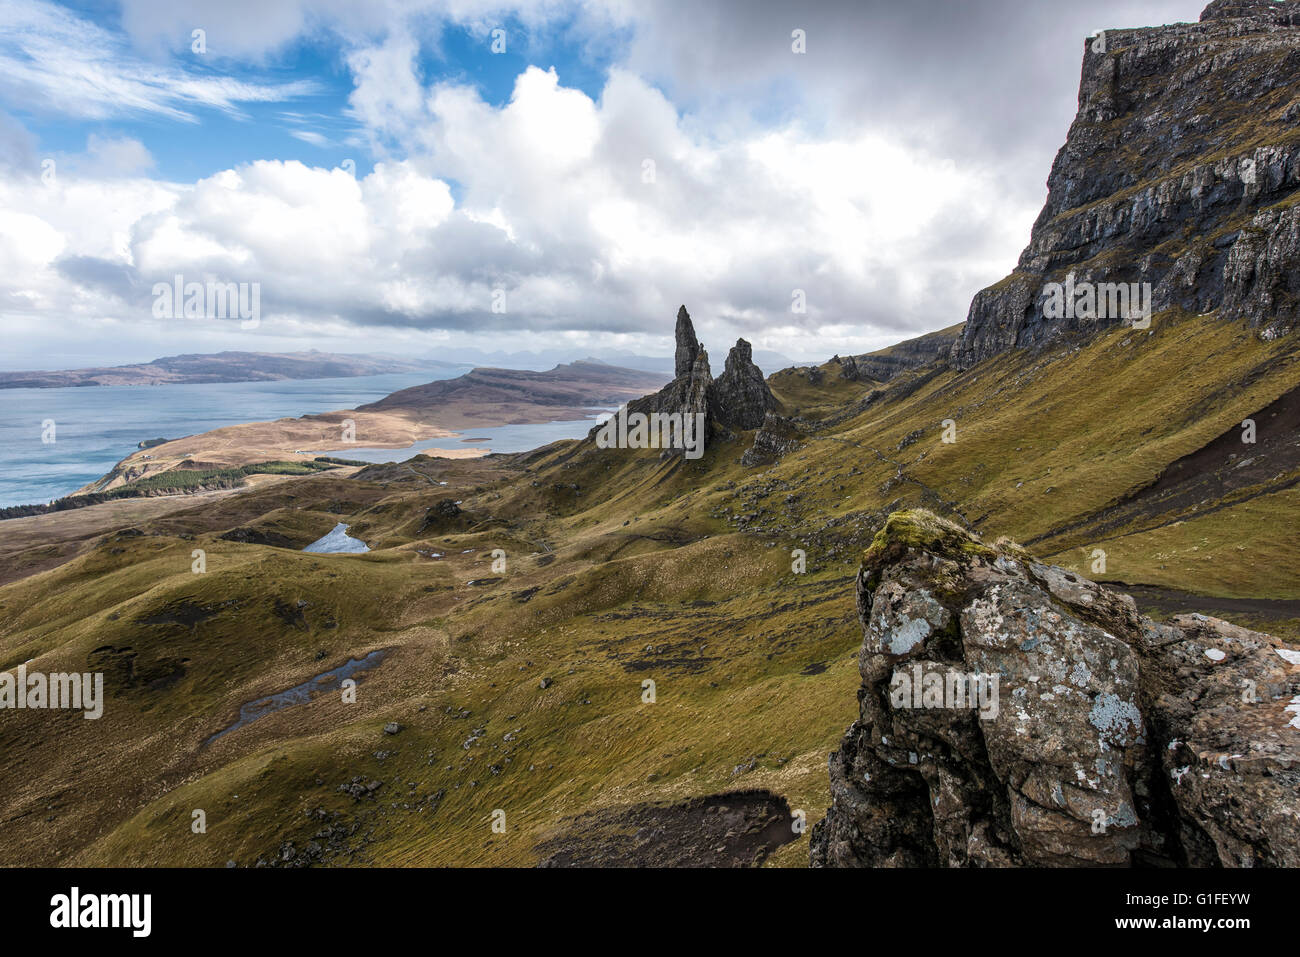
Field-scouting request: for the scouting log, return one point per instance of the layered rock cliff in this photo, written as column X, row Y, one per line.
column 1087, row 734
column 1180, row 170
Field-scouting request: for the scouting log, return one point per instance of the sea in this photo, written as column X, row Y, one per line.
column 54, row 441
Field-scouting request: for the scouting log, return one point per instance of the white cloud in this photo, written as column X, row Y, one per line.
column 116, row 156
column 555, row 210
column 310, row 137
column 51, row 59
column 231, row 27
column 888, row 174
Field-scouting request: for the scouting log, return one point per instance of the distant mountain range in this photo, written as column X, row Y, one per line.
column 513, row 395
column 269, row 366
column 225, row 367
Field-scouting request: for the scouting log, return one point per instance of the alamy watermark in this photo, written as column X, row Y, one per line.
column 653, row 430
column 949, row 689
column 210, row 300
column 74, row 909
column 1103, row 300
column 59, row 691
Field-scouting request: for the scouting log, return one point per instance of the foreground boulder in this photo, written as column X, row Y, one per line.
column 1015, row 714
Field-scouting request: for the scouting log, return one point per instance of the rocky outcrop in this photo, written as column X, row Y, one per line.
column 1013, row 713
column 1266, row 9
column 778, row 437
column 738, row 399
column 690, row 393
column 1179, row 172
column 446, row 516
column 691, row 390
column 740, row 395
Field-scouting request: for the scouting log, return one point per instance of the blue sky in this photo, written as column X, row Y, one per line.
column 315, row 127
column 391, row 183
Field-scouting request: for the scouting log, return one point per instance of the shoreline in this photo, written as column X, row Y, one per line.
column 438, row 418
column 279, row 440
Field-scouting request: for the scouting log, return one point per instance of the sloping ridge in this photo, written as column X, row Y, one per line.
column 574, row 384
column 1239, row 464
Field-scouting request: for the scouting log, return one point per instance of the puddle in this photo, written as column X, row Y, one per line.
column 338, row 542
column 301, row 694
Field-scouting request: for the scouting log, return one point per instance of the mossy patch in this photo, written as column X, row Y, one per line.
column 917, row 528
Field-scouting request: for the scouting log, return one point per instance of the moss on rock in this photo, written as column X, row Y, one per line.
column 919, row 528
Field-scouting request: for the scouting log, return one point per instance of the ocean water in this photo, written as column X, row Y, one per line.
column 96, row 427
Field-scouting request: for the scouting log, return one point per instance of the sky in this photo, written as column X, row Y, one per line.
column 441, row 178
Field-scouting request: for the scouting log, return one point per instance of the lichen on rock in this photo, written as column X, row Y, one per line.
column 1112, row 740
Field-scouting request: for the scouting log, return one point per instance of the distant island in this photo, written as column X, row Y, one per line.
column 480, row 397
column 485, row 396
column 225, row 367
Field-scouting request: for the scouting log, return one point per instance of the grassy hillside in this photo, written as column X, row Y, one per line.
column 620, row 568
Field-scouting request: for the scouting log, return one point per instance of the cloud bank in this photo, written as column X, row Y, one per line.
column 878, row 180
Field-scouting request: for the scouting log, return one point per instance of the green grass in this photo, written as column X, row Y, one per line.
column 641, row 571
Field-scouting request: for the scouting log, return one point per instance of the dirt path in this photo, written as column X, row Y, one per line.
column 1281, row 616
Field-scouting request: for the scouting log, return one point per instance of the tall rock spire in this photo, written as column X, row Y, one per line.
column 688, row 347
column 739, row 399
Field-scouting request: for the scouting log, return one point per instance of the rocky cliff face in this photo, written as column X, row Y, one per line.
column 1180, row 170
column 1088, row 734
